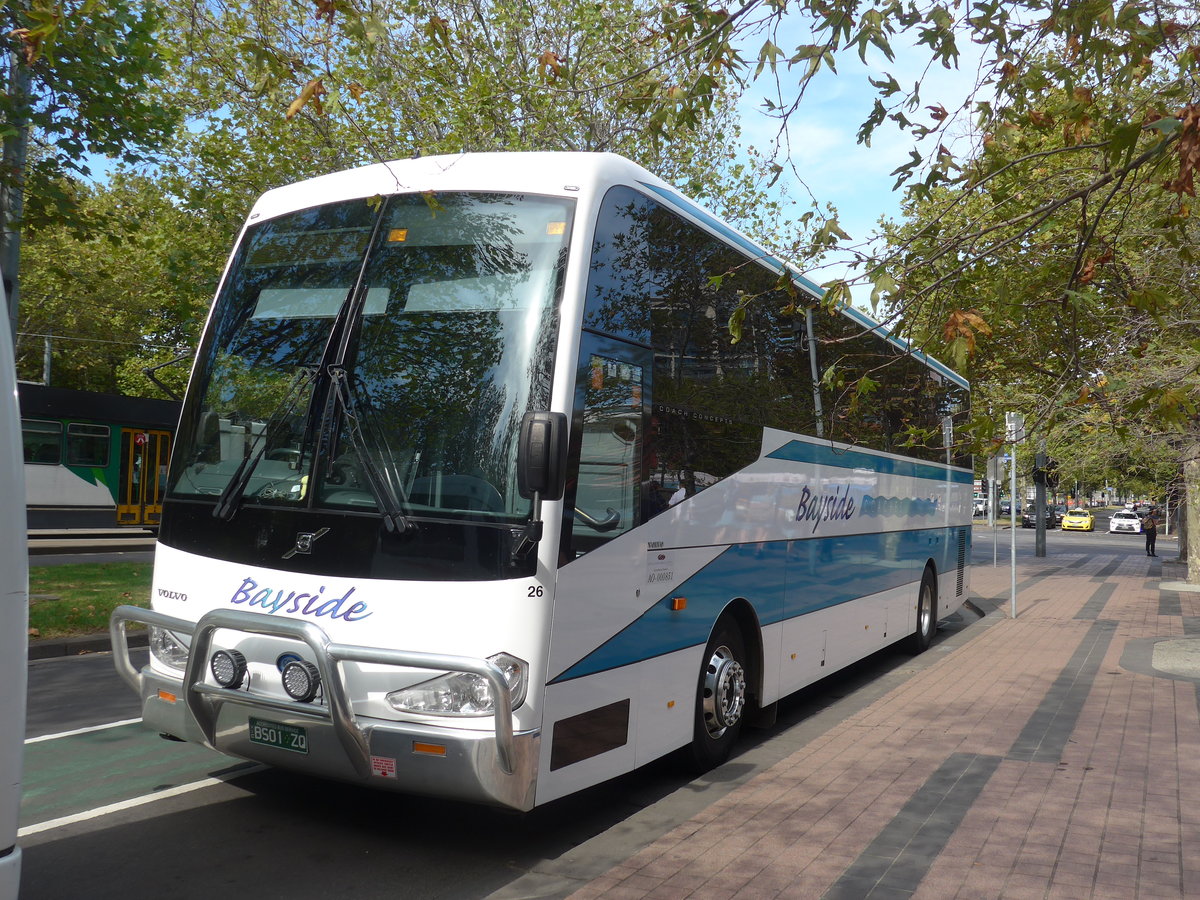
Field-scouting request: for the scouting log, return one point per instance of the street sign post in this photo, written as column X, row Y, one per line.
column 1014, row 431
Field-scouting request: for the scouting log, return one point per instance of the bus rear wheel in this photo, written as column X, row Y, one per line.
column 720, row 698
column 920, row 639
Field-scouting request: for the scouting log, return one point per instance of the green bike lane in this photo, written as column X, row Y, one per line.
column 75, row 774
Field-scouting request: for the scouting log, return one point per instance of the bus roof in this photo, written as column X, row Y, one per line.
column 564, row 174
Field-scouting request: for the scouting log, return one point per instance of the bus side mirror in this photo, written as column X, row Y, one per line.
column 541, row 455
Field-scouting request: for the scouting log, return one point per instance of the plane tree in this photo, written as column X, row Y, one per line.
column 127, row 289
column 73, row 91
column 275, row 91
column 1088, row 322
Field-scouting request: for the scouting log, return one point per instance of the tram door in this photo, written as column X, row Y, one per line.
column 144, row 456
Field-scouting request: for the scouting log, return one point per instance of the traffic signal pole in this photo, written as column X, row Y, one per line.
column 1039, row 504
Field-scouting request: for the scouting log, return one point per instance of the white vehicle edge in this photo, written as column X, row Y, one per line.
column 14, row 617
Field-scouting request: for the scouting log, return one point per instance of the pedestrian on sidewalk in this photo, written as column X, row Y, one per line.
column 1150, row 529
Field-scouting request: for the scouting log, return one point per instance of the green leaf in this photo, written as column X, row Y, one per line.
column 883, row 284
column 769, row 55
column 737, row 320
column 1166, row 126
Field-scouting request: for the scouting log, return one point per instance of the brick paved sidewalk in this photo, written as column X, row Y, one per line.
column 1056, row 755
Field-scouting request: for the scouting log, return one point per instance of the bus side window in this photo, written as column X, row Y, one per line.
column 608, row 484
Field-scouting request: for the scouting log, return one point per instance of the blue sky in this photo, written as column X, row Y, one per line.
column 856, row 179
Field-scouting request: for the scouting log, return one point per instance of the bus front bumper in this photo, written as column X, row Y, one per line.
column 325, row 737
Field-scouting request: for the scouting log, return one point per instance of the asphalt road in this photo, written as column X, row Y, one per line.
column 113, row 811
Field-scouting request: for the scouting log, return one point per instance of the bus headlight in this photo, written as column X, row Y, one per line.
column 461, row 693
column 168, row 648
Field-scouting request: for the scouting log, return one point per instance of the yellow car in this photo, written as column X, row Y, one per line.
column 1079, row 520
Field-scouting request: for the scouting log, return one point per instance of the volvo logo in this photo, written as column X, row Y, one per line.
column 305, row 541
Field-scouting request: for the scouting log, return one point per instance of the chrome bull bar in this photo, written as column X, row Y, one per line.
column 204, row 700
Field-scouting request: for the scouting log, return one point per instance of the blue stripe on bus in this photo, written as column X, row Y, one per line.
column 825, row 455
column 783, row 580
column 780, row 267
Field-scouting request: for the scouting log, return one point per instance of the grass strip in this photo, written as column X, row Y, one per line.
column 79, row 598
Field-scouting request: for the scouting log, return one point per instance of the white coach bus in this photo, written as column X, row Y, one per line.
column 14, row 614
column 474, row 496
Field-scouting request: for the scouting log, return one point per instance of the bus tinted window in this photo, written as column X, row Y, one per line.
column 446, row 345
column 657, row 279
column 902, row 412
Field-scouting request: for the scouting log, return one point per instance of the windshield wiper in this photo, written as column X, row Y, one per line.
column 231, row 497
column 394, row 508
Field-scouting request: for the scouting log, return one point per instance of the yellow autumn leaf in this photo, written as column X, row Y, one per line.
column 313, row 90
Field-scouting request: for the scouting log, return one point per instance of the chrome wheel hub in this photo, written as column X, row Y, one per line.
column 925, row 610
column 724, row 692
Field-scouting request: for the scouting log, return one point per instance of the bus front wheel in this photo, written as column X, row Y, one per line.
column 920, row 639
column 720, row 697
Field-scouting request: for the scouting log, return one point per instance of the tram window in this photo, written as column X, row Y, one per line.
column 42, row 442
column 87, row 445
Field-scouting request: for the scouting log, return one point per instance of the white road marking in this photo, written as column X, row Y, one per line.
column 133, row 802
column 63, row 734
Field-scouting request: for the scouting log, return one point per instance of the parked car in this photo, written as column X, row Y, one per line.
column 1079, row 519
column 1125, row 520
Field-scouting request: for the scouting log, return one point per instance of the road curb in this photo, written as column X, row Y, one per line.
column 52, row 648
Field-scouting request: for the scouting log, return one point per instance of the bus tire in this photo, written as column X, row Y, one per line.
column 922, row 637
column 720, row 697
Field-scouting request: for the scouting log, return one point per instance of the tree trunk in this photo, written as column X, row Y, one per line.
column 12, row 193
column 1189, row 535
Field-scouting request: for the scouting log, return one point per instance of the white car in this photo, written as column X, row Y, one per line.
column 1125, row 521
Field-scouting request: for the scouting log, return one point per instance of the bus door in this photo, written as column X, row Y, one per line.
column 144, row 457
column 610, row 414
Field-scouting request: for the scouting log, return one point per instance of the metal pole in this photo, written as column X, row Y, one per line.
column 1039, row 505
column 1014, row 432
column 1013, row 507
column 992, row 499
column 995, row 543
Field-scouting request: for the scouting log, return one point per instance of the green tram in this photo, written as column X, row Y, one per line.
column 94, row 460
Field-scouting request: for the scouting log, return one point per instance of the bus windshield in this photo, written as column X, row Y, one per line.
column 379, row 353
